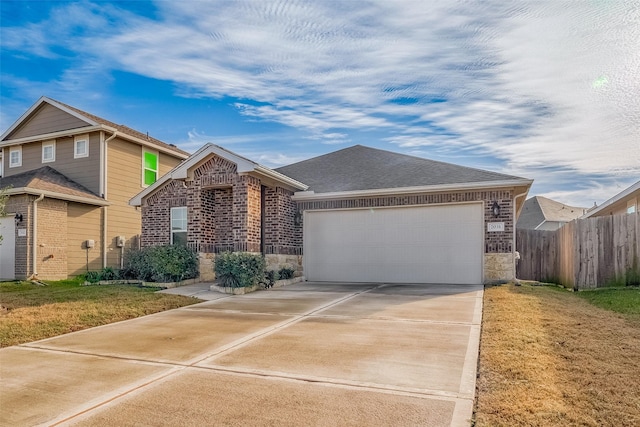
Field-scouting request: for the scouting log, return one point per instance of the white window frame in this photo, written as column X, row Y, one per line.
column 174, row 220
column 18, row 150
column 76, row 140
column 144, row 168
column 631, row 206
column 52, row 144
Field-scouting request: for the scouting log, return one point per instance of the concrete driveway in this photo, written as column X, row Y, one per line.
column 316, row 354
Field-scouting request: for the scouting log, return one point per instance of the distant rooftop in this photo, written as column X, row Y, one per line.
column 538, row 210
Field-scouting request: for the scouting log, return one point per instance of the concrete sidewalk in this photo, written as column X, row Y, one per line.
column 307, row 354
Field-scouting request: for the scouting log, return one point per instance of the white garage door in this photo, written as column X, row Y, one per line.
column 7, row 248
column 434, row 244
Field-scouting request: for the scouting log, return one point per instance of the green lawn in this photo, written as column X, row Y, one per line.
column 29, row 312
column 623, row 300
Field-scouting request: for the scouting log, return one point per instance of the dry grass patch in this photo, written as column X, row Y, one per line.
column 29, row 312
column 548, row 357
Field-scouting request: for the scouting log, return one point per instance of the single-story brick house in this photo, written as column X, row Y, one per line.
column 357, row 214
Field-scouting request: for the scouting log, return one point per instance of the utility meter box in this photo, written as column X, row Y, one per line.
column 90, row 243
column 120, row 241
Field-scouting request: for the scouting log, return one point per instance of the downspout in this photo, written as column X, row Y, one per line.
column 104, row 196
column 34, row 248
column 514, row 231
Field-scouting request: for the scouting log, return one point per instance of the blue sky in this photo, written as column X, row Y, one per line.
column 546, row 90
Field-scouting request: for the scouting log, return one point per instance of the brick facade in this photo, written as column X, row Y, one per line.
column 280, row 229
column 224, row 212
column 51, row 253
column 231, row 211
column 495, row 242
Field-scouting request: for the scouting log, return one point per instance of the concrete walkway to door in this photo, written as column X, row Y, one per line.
column 313, row 354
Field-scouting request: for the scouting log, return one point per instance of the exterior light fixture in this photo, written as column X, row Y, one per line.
column 18, row 218
column 495, row 209
column 297, row 218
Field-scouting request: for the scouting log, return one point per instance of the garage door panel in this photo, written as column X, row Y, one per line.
column 434, row 244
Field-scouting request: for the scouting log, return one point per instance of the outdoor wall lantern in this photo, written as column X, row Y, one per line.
column 297, row 218
column 18, row 218
column 495, row 209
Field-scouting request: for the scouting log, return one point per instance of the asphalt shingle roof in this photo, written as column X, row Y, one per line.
column 124, row 129
column 48, row 179
column 364, row 168
column 538, row 209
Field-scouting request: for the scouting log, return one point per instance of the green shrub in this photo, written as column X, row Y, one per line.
column 161, row 264
column 239, row 269
column 286, row 273
column 107, row 273
column 270, row 277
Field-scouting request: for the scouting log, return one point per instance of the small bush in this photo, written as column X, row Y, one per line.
column 239, row 269
column 270, row 278
column 161, row 264
column 106, row 273
column 286, row 273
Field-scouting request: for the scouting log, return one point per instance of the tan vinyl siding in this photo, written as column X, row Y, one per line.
column 167, row 163
column 124, row 180
column 84, row 171
column 47, row 119
column 83, row 223
column 124, row 172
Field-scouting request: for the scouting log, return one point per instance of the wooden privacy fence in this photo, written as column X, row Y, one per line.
column 585, row 253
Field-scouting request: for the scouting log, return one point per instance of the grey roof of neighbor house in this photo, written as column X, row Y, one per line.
column 46, row 179
column 364, row 168
column 539, row 209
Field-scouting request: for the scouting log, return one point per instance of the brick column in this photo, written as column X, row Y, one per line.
column 246, row 214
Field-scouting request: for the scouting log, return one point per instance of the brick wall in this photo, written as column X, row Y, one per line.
column 51, row 253
column 280, row 229
column 495, row 242
column 246, row 214
column 156, row 213
column 224, row 211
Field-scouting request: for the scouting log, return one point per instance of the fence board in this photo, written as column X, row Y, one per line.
column 585, row 253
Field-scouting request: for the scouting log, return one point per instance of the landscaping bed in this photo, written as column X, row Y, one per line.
column 550, row 357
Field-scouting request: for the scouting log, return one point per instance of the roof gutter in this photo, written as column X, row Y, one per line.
column 60, row 196
column 310, row 195
column 82, row 130
column 51, row 135
column 280, row 177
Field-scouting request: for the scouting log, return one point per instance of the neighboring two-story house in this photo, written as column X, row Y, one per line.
column 625, row 202
column 69, row 176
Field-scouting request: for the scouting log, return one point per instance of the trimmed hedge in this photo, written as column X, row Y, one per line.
column 161, row 264
column 239, row 269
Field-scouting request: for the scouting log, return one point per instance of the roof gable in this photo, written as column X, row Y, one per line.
column 48, row 117
column 361, row 168
column 45, row 118
column 204, row 154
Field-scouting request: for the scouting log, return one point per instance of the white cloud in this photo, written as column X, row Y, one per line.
column 536, row 85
